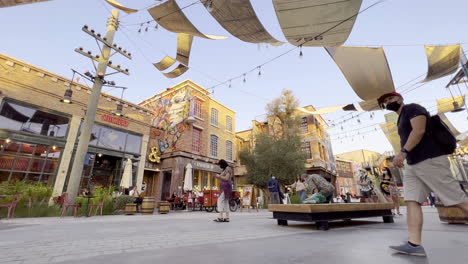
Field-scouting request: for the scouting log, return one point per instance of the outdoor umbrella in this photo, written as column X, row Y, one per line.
column 126, row 181
column 188, row 178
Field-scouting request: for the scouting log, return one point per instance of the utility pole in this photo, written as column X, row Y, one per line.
column 87, row 125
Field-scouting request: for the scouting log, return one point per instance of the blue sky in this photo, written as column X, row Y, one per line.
column 45, row 35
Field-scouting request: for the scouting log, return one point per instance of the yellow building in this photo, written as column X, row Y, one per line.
column 192, row 131
column 315, row 142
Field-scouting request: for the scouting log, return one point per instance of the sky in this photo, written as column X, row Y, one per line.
column 46, row 34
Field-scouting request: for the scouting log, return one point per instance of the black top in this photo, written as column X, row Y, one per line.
column 427, row 147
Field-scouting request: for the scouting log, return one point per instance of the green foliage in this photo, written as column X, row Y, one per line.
column 295, row 199
column 121, row 201
column 282, row 158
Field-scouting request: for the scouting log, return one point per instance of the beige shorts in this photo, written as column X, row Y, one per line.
column 432, row 174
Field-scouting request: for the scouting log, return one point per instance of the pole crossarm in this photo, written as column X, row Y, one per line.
column 106, row 42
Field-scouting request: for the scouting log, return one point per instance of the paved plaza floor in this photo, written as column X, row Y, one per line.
column 192, row 237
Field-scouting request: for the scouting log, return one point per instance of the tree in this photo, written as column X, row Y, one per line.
column 277, row 150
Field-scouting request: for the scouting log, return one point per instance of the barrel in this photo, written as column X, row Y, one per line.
column 130, row 208
column 164, row 207
column 451, row 214
column 147, row 207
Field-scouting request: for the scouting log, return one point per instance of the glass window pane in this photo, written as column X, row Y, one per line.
column 6, row 162
column 112, row 139
column 37, row 165
column 133, row 143
column 27, row 119
column 21, row 164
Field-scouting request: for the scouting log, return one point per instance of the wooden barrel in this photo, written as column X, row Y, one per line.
column 147, row 207
column 451, row 214
column 164, row 207
column 130, row 208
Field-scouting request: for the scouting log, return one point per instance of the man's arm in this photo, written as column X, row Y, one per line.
column 418, row 125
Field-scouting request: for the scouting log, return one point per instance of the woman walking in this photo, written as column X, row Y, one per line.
column 301, row 188
column 387, row 179
column 225, row 187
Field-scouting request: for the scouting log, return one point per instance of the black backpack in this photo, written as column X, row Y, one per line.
column 442, row 135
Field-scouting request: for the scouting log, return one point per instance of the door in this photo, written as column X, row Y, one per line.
column 166, row 185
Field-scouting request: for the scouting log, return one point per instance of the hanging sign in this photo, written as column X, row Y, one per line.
column 114, row 120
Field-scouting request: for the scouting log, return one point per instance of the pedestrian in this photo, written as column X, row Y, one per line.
column 365, row 186
column 427, row 168
column 323, row 186
column 301, row 188
column 392, row 188
column 273, row 188
column 432, row 198
column 225, row 187
column 137, row 199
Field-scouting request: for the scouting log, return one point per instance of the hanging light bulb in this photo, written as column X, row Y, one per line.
column 230, row 84
column 244, row 79
column 141, row 26
column 456, row 107
column 359, row 121
column 259, row 71
column 156, row 27
column 300, row 52
column 208, row 5
column 341, row 127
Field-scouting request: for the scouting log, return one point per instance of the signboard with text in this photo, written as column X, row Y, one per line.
column 114, row 120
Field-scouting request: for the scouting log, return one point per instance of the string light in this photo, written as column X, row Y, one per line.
column 300, row 52
column 259, row 71
column 229, row 84
column 244, row 79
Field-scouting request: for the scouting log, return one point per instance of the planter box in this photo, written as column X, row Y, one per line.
column 451, row 214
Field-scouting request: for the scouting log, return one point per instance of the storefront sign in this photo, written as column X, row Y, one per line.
column 153, row 156
column 114, row 120
column 203, row 166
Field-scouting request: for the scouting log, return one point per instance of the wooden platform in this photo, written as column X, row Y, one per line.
column 322, row 214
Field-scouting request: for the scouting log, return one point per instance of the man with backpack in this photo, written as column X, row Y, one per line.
column 425, row 143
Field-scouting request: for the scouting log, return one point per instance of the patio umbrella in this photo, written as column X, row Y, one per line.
column 126, row 181
column 188, row 178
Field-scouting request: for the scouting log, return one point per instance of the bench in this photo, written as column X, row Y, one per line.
column 322, row 214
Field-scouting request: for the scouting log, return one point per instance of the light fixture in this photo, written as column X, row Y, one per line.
column 457, row 107
column 190, row 120
column 54, row 147
column 67, row 97
column 99, row 155
column 7, row 140
column 118, row 111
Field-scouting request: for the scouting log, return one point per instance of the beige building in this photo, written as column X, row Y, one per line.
column 192, row 131
column 315, row 143
column 39, row 133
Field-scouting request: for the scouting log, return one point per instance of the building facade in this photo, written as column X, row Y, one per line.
column 345, row 177
column 39, row 133
column 191, row 132
column 316, row 143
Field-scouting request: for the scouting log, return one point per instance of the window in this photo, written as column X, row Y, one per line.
column 229, row 123
column 214, row 146
column 28, row 119
column 196, row 139
column 24, row 161
column 110, row 138
column 229, row 150
column 304, row 126
column 306, row 149
column 133, row 143
column 196, row 108
column 214, row 116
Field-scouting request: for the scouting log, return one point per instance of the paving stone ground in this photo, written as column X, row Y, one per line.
column 192, row 237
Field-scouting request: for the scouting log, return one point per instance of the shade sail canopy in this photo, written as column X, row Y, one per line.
column 303, row 21
column 170, row 16
column 7, row 3
column 121, row 7
column 239, row 18
column 450, row 104
column 442, row 61
column 365, row 69
column 181, row 69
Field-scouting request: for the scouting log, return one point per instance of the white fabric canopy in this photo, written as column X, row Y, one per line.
column 442, row 61
column 303, row 21
column 170, row 16
column 126, row 181
column 365, row 69
column 7, row 3
column 188, row 182
column 238, row 18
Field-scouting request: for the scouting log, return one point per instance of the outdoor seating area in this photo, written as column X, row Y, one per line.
column 322, row 214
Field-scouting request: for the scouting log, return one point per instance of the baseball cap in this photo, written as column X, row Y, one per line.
column 383, row 97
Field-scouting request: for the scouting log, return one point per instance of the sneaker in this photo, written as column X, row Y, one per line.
column 407, row 249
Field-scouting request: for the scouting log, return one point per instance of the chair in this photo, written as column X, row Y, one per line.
column 66, row 204
column 98, row 206
column 11, row 206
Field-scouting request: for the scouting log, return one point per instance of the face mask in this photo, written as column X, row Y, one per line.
column 393, row 106
column 273, row 177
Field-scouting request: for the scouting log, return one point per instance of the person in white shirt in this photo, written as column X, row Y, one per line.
column 137, row 196
column 301, row 188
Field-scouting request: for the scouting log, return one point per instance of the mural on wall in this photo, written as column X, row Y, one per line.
column 170, row 114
